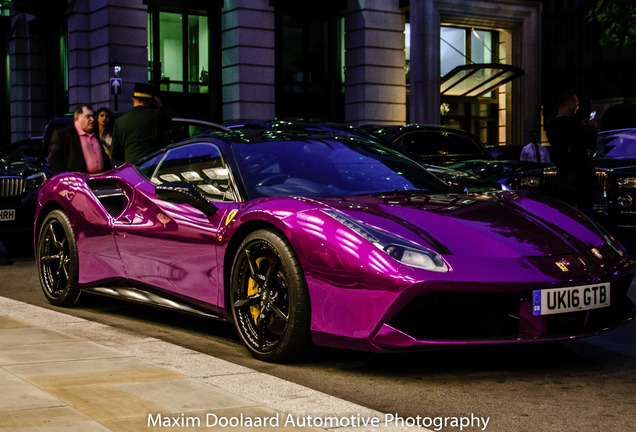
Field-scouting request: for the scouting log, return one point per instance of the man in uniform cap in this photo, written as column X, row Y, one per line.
column 141, row 131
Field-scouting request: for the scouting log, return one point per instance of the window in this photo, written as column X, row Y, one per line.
column 64, row 62
column 459, row 47
column 309, row 63
column 201, row 165
column 178, row 55
column 462, row 46
column 5, row 8
column 452, row 48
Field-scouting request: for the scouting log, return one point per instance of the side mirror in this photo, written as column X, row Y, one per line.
column 185, row 193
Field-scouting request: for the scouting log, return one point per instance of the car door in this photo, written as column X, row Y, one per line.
column 174, row 246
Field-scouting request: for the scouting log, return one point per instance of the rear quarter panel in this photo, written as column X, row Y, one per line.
column 92, row 226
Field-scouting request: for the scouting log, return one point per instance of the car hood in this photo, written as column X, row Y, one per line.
column 502, row 225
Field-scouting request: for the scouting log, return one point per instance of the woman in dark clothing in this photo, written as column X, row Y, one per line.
column 105, row 126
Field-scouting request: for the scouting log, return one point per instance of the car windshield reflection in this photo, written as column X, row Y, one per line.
column 334, row 167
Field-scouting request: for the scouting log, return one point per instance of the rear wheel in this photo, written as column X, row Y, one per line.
column 269, row 298
column 57, row 260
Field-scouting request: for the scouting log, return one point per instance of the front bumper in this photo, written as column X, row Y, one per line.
column 469, row 314
column 446, row 318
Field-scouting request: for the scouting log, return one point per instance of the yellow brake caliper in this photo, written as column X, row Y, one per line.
column 252, row 288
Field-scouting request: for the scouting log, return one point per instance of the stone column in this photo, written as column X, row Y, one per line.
column 425, row 63
column 375, row 76
column 101, row 34
column 23, row 91
column 248, row 53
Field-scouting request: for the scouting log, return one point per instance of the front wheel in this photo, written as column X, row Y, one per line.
column 269, row 298
column 57, row 259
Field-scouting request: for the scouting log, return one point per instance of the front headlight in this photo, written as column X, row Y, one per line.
column 400, row 249
column 35, row 180
column 626, row 182
column 533, row 182
column 421, row 258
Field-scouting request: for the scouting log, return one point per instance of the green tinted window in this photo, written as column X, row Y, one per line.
column 178, row 52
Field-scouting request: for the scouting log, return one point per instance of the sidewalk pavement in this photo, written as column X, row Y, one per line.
column 67, row 374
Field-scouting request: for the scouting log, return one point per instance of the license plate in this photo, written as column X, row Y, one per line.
column 7, row 215
column 562, row 300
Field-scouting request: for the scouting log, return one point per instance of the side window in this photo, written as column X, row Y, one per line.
column 202, row 165
column 148, row 167
column 423, row 143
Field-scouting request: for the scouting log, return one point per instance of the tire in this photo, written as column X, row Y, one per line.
column 269, row 298
column 57, row 260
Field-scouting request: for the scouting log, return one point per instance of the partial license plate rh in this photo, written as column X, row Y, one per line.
column 571, row 299
column 7, row 215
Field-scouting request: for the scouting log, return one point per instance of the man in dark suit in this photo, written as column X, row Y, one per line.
column 570, row 139
column 142, row 130
column 76, row 148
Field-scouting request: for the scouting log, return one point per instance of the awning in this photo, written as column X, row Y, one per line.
column 475, row 80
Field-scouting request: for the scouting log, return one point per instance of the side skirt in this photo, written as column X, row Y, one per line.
column 147, row 298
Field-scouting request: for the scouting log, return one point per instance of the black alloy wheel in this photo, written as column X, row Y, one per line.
column 269, row 298
column 57, row 260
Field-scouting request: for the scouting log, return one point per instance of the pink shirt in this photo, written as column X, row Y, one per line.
column 92, row 150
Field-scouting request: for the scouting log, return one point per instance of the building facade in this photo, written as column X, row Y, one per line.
column 470, row 64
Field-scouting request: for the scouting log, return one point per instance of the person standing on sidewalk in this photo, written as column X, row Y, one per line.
column 141, row 131
column 76, row 148
column 570, row 140
column 534, row 151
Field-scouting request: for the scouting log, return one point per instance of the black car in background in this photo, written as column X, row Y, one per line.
column 501, row 171
column 434, row 145
column 20, row 177
column 615, row 190
column 505, row 152
column 23, row 168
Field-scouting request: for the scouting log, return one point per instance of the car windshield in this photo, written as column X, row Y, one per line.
column 337, row 166
column 617, row 145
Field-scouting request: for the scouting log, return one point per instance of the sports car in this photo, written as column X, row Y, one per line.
column 328, row 240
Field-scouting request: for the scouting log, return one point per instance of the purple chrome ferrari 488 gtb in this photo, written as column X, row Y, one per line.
column 328, row 240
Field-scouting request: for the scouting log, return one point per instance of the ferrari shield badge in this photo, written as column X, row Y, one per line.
column 230, row 216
